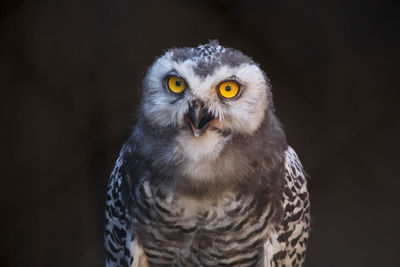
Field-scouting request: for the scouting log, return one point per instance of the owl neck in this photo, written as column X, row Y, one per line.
column 245, row 163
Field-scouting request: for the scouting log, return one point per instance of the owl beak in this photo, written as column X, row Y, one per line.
column 198, row 118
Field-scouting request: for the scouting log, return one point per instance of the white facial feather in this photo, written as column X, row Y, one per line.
column 207, row 146
column 243, row 114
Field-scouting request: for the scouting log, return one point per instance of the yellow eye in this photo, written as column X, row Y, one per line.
column 176, row 84
column 228, row 89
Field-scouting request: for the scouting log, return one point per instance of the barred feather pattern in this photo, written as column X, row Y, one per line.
column 117, row 237
column 155, row 227
column 287, row 245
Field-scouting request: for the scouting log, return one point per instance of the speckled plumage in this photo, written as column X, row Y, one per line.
column 234, row 196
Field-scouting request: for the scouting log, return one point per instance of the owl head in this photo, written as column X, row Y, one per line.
column 206, row 88
column 207, row 120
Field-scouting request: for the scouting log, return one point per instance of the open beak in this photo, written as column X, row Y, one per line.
column 198, row 118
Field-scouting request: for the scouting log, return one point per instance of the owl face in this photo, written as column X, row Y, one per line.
column 203, row 89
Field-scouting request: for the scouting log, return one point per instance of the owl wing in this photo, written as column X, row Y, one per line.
column 121, row 246
column 287, row 243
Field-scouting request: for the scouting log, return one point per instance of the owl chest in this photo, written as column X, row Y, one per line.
column 186, row 233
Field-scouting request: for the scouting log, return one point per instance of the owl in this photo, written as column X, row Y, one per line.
column 206, row 177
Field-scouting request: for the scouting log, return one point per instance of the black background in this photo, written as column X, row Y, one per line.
column 70, row 78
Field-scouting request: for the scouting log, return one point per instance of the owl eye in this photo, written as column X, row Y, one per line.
column 228, row 89
column 176, row 85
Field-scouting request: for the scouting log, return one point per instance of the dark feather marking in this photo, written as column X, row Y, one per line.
column 260, row 229
column 156, row 256
column 252, row 260
column 294, row 241
column 284, row 237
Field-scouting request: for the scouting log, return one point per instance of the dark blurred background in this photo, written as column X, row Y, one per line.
column 70, row 78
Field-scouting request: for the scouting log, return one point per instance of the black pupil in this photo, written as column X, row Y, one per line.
column 228, row 88
column 178, row 83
